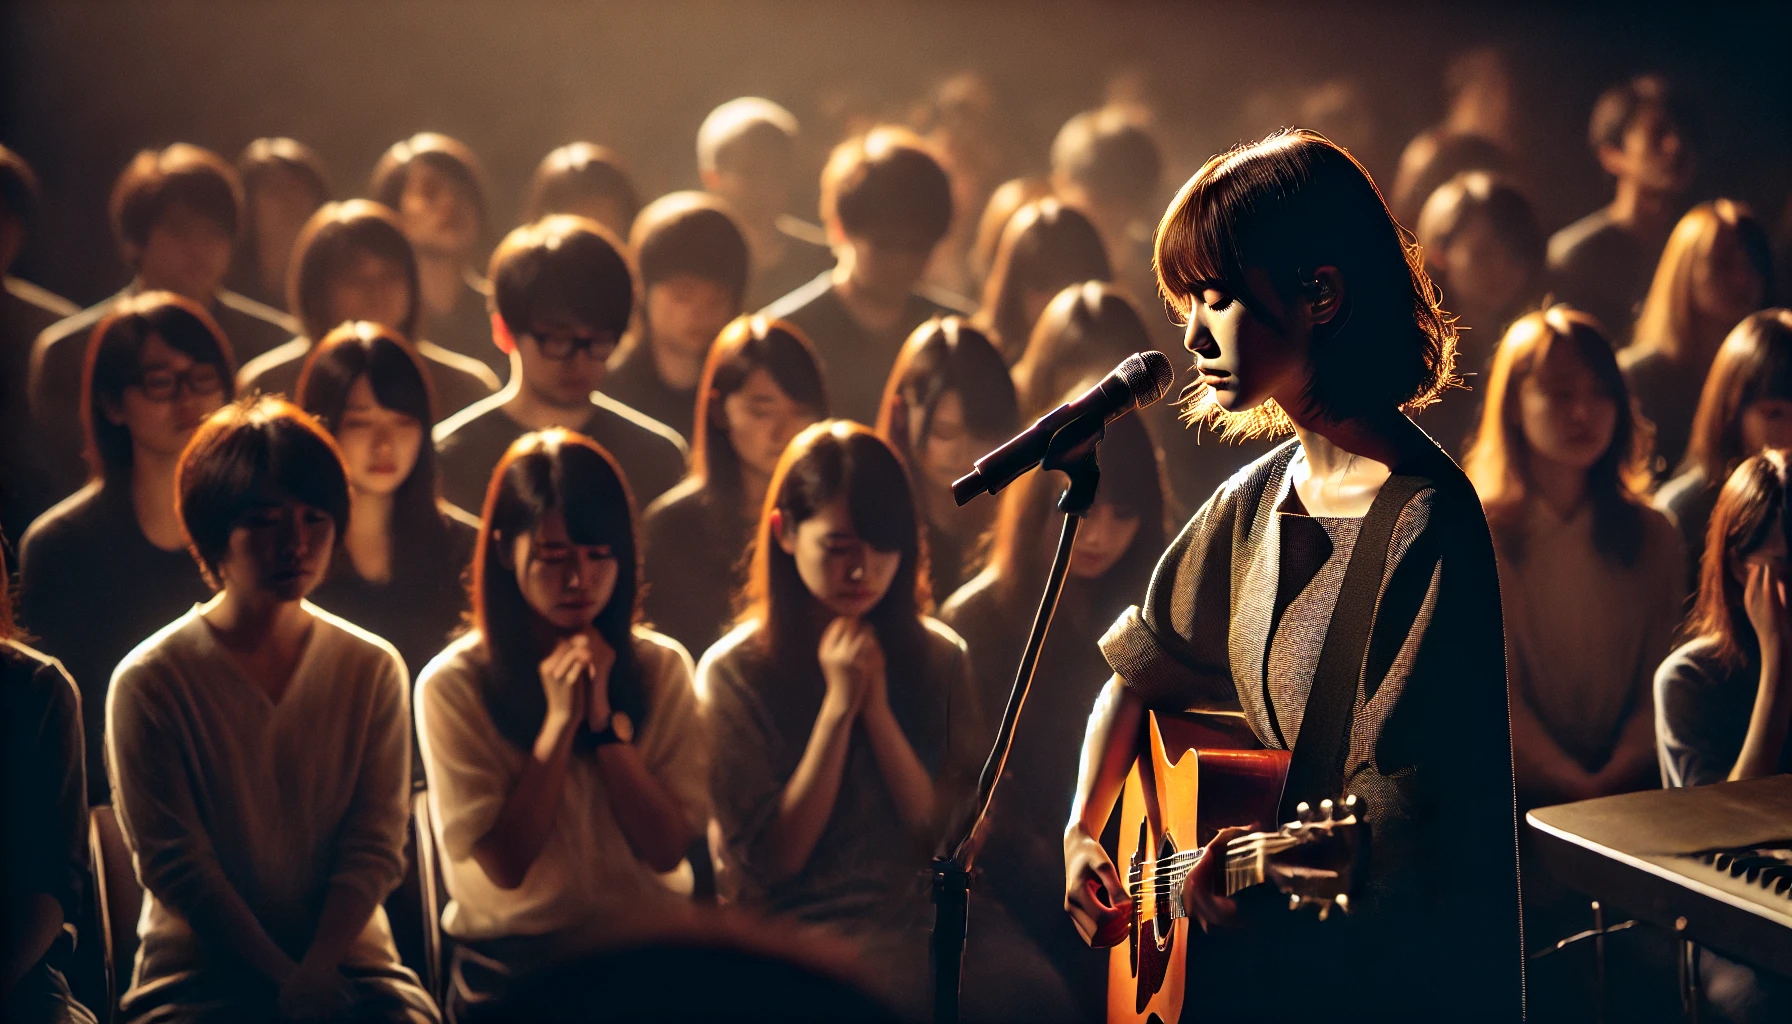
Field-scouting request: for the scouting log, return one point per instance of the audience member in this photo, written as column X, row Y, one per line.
column 46, row 826
column 353, row 262
column 692, row 259
column 887, row 203
column 585, row 180
column 1475, row 133
column 761, row 387
column 1004, row 202
column 1045, row 248
column 108, row 566
column 567, row 771
column 284, row 182
column 746, row 154
column 1117, row 545
column 26, row 310
column 260, row 753
column 1590, row 575
column 1484, row 251
column 175, row 214
column 1083, row 332
column 1431, row 160
column 1716, row 269
column 962, row 124
column 437, row 187
column 949, row 400
column 563, row 294
column 1107, row 165
column 397, row 571
column 1746, row 406
column 1602, row 262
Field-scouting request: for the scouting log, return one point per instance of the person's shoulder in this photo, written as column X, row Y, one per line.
column 795, row 305
column 69, row 521
column 944, row 302
column 462, row 526
column 354, row 646
column 1678, row 495
column 276, row 370
column 1689, row 670
column 443, row 359
column 474, row 420
column 682, row 507
column 662, row 656
column 261, row 311
column 71, row 331
column 456, row 671
column 47, row 302
column 802, row 232
column 1642, row 363
column 627, row 418
column 164, row 655
column 970, row 603
column 1572, row 243
column 942, row 640
column 49, row 683
column 728, row 661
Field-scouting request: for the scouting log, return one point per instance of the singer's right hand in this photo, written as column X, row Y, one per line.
column 563, row 675
column 1093, row 894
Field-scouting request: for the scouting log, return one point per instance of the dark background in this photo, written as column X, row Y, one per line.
column 87, row 83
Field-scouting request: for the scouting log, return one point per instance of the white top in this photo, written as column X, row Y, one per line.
column 586, row 878
column 225, row 796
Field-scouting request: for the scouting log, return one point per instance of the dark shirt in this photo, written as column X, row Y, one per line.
column 1668, row 398
column 634, row 381
column 945, row 563
column 1689, row 500
column 45, row 795
column 58, row 357
column 1702, row 710
column 422, row 604
column 91, row 588
column 472, row 441
column 467, row 327
column 455, row 381
column 25, row 312
column 693, row 564
column 806, row 254
column 855, row 362
column 1604, row 269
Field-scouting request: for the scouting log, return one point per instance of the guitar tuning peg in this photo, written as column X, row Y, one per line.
column 1294, row 901
column 1352, row 806
column 1303, row 811
column 1343, row 899
column 1325, row 809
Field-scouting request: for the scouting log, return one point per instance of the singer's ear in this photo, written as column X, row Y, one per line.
column 1323, row 294
column 785, row 541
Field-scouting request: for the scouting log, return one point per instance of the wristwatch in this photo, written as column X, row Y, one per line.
column 620, row 730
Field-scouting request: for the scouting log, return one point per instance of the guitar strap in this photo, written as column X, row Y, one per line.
column 1316, row 767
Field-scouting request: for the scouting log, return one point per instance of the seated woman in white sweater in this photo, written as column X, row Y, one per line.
column 567, row 776
column 260, row 753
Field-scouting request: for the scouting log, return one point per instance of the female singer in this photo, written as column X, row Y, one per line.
column 566, row 766
column 1306, row 312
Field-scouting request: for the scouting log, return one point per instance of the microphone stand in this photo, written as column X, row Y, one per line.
column 1071, row 452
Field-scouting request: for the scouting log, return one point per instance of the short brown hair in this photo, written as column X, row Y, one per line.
column 690, row 233
column 239, row 450
column 562, row 264
column 449, row 155
column 886, row 185
column 1287, row 205
column 114, row 353
column 182, row 174
column 580, row 170
column 1754, row 362
column 333, row 235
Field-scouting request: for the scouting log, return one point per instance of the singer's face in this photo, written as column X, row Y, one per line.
column 1242, row 359
column 566, row 584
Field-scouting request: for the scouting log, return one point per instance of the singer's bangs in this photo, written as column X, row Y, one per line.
column 1197, row 243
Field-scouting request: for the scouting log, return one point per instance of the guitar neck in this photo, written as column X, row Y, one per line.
column 1244, row 868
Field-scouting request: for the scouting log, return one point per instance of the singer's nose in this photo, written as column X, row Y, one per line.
column 1200, row 341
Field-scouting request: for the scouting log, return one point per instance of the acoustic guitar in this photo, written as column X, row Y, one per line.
column 1201, row 773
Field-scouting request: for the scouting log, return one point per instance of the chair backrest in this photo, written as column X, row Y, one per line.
column 118, row 897
column 435, row 898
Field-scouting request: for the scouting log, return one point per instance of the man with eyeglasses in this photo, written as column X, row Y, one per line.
column 562, row 295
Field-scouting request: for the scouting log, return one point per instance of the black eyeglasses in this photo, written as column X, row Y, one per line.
column 163, row 385
column 561, row 344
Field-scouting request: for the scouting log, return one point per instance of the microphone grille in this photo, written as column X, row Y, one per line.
column 1147, row 376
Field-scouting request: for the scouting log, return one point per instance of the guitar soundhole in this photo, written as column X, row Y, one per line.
column 1151, row 960
column 1165, row 896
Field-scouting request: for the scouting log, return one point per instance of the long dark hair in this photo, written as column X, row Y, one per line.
column 1754, row 362
column 395, row 372
column 1498, row 461
column 333, row 236
column 943, row 355
column 113, row 363
column 749, row 343
column 1752, row 502
column 837, row 459
column 542, row 472
column 1045, row 247
column 1085, row 330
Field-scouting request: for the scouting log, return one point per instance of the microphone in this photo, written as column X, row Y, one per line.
column 1140, row 380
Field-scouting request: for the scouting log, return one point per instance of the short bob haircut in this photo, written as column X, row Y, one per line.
column 19, row 191
column 239, row 456
column 1752, row 503
column 113, row 363
column 542, row 472
column 452, row 157
column 1004, row 202
column 737, row 123
column 1457, row 202
column 887, row 186
column 329, row 242
column 559, row 266
column 1498, row 462
column 1755, row 362
column 577, row 174
column 263, row 159
column 181, row 175
column 690, row 233
column 749, row 343
column 832, row 460
column 400, row 382
column 941, row 356
column 1619, row 106
column 1108, row 153
column 1045, row 248
column 1287, row 206
column 1665, row 323
column 1084, row 332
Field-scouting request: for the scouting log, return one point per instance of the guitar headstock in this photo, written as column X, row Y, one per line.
column 1312, row 859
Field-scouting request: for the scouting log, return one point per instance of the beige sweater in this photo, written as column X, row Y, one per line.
column 226, row 797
